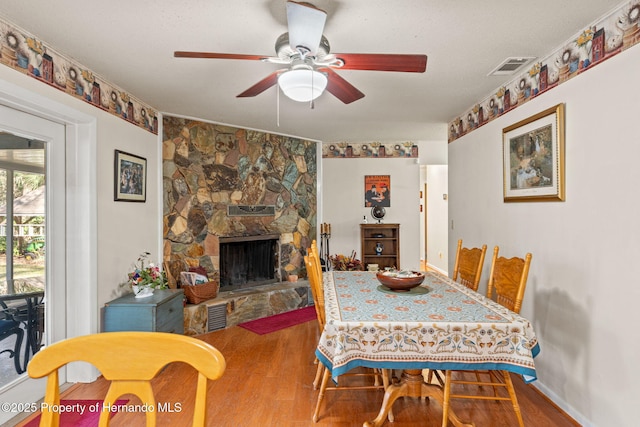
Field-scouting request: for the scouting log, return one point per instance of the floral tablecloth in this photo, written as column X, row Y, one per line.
column 441, row 325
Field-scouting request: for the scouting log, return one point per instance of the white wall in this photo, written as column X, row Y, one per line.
column 123, row 230
column 343, row 203
column 342, row 183
column 582, row 295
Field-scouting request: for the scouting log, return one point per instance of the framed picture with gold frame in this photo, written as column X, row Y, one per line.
column 533, row 157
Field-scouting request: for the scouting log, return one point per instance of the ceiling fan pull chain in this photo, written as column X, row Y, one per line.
column 278, row 106
column 312, row 102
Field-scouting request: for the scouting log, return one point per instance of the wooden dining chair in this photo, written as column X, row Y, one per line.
column 508, row 281
column 316, row 293
column 323, row 374
column 315, row 284
column 316, row 255
column 467, row 269
column 314, row 273
column 130, row 360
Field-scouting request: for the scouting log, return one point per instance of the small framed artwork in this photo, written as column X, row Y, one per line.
column 130, row 177
column 533, row 157
column 377, row 191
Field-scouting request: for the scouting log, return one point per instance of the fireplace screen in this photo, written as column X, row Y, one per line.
column 246, row 262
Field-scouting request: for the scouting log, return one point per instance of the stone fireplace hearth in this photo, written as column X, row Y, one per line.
column 234, row 307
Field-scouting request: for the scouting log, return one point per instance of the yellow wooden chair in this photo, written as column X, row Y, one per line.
column 318, row 302
column 313, row 251
column 508, row 280
column 317, row 291
column 129, row 360
column 468, row 266
column 314, row 271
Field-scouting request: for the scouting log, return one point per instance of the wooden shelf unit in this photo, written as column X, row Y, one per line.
column 388, row 235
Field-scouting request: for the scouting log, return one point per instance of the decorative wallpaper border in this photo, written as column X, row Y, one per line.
column 596, row 43
column 350, row 150
column 25, row 53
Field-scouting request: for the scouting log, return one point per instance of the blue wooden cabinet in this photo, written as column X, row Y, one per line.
column 161, row 312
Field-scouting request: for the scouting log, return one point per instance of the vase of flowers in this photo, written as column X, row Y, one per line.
column 146, row 277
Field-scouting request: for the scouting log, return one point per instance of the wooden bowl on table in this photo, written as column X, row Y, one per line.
column 400, row 281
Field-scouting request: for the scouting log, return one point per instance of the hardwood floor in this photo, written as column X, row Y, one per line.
column 268, row 382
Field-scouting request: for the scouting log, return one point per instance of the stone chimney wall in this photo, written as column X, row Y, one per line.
column 208, row 167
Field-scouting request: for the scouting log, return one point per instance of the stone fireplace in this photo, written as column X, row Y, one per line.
column 223, row 184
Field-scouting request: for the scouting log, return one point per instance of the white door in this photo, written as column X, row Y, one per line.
column 24, row 389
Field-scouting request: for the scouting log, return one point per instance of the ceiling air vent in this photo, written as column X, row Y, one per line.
column 511, row 65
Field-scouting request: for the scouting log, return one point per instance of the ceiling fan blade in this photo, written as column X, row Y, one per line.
column 340, row 88
column 383, row 62
column 261, row 86
column 306, row 24
column 213, row 55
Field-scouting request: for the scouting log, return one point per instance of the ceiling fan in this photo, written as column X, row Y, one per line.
column 310, row 65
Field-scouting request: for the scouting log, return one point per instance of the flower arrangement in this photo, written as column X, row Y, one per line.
column 144, row 278
column 344, row 263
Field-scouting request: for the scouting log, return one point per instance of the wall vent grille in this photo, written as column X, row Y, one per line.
column 217, row 317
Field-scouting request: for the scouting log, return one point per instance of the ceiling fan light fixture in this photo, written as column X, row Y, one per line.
column 303, row 47
column 302, row 85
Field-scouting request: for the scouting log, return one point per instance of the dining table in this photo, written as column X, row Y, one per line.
column 439, row 325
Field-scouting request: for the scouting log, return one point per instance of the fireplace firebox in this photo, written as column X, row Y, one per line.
column 248, row 261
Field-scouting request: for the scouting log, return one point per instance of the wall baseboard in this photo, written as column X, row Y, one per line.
column 559, row 403
column 433, row 267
